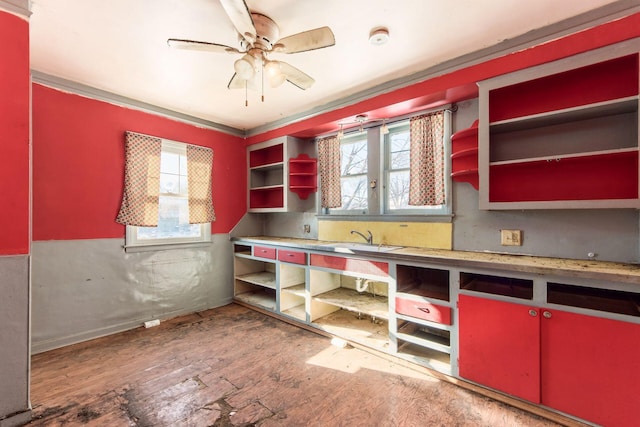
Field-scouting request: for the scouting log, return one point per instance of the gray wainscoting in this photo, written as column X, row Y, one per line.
column 83, row 289
column 14, row 336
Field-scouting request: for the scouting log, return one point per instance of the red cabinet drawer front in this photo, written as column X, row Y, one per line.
column 292, row 256
column 262, row 252
column 424, row 310
column 354, row 265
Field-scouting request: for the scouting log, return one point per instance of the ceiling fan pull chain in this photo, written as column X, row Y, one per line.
column 246, row 95
column 262, row 75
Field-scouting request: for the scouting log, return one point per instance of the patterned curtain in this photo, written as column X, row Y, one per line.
column 141, row 181
column 329, row 165
column 199, row 167
column 426, row 173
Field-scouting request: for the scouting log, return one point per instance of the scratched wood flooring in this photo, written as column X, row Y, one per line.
column 232, row 366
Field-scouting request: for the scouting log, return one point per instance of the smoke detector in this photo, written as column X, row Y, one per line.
column 379, row 36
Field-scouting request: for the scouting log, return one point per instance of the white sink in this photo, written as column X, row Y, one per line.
column 347, row 247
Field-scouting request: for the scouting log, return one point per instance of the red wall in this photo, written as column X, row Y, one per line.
column 78, row 165
column 14, row 135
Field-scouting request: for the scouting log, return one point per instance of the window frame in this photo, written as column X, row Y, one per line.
column 356, row 137
column 377, row 178
column 134, row 244
column 444, row 209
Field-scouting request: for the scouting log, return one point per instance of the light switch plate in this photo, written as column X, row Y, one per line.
column 511, row 237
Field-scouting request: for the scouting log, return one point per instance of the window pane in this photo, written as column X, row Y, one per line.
column 353, row 157
column 399, row 150
column 173, row 221
column 169, row 183
column 170, row 163
column 398, row 190
column 354, row 192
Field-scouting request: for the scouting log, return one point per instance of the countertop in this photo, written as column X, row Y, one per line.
column 588, row 269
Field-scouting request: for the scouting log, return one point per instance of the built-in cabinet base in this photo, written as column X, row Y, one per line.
column 514, row 334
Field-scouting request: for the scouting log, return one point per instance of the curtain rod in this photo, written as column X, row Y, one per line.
column 451, row 108
column 169, row 140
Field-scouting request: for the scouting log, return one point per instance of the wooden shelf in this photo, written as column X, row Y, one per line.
column 351, row 300
column 297, row 312
column 303, row 175
column 298, row 290
column 263, row 278
column 260, row 298
column 362, row 330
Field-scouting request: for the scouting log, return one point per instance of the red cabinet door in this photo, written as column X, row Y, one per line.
column 591, row 367
column 499, row 345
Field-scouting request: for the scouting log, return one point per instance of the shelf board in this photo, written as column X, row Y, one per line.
column 430, row 358
column 263, row 278
column 267, row 187
column 426, row 340
column 257, row 298
column 352, row 300
column 423, row 322
column 632, row 150
column 297, row 312
column 582, row 112
column 298, row 290
column 346, row 325
column 268, row 166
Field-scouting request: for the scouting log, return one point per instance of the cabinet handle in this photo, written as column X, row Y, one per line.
column 264, row 251
column 533, row 313
column 290, row 255
column 546, row 314
column 423, row 309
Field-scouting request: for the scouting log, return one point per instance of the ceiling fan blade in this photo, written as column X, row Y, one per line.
column 240, row 17
column 307, row 40
column 296, row 77
column 203, row 46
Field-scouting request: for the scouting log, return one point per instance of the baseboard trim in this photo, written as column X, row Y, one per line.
column 16, row 419
column 42, row 346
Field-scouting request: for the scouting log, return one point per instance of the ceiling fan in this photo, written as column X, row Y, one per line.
column 258, row 38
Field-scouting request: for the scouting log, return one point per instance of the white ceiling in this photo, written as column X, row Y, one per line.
column 119, row 46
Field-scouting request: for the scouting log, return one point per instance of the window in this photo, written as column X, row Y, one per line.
column 353, row 173
column 396, row 160
column 375, row 171
column 173, row 210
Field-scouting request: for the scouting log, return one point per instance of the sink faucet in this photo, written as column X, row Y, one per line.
column 368, row 239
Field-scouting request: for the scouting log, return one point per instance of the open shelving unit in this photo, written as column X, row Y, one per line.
column 423, row 316
column 270, row 165
column 563, row 134
column 254, row 280
column 293, row 291
column 339, row 309
column 303, row 175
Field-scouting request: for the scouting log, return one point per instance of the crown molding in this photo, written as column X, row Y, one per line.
column 123, row 101
column 18, row 7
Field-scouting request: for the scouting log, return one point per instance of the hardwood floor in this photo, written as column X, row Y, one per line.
column 232, row 366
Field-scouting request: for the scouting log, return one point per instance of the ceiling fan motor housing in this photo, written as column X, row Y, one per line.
column 267, row 31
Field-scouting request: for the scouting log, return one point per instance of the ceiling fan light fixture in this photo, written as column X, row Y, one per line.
column 245, row 67
column 274, row 73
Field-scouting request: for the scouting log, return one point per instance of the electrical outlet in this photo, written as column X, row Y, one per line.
column 511, row 237
column 307, row 228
